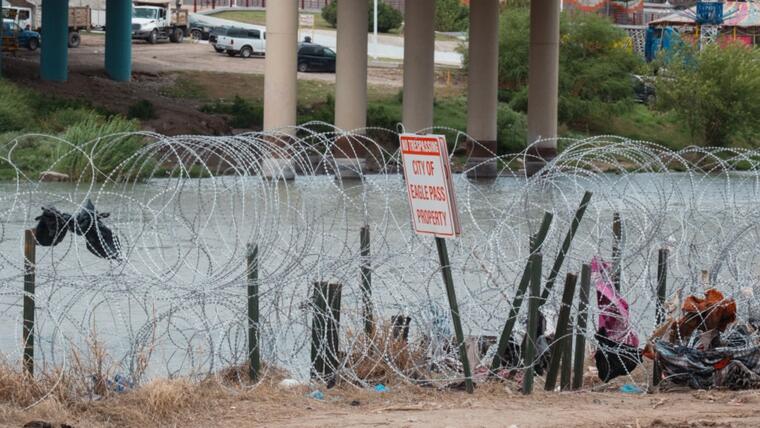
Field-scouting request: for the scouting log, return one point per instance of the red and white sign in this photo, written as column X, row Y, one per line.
column 429, row 185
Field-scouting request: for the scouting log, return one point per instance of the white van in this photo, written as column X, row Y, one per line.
column 243, row 41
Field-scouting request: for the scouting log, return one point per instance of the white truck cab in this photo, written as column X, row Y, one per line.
column 157, row 19
column 23, row 16
column 243, row 41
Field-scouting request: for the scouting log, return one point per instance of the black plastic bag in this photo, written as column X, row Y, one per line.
column 101, row 241
column 52, row 226
column 615, row 359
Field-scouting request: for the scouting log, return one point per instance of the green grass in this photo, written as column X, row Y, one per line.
column 24, row 111
column 259, row 17
column 642, row 123
column 185, row 88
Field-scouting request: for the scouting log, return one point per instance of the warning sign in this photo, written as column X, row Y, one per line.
column 429, row 185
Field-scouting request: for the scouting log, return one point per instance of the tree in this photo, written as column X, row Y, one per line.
column 595, row 66
column 388, row 18
column 713, row 92
column 451, row 15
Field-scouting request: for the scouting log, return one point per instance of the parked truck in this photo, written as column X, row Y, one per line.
column 80, row 19
column 28, row 18
column 154, row 20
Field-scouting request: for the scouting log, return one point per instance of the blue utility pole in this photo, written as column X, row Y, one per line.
column 54, row 61
column 119, row 40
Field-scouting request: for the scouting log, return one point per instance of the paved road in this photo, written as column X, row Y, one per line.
column 193, row 56
column 388, row 46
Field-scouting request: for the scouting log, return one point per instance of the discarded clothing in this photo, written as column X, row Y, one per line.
column 614, row 359
column 714, row 312
column 100, row 239
column 734, row 364
column 52, row 226
column 613, row 309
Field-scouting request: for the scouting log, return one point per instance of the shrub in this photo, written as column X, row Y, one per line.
column 595, row 67
column 388, row 18
column 451, row 15
column 16, row 112
column 243, row 113
column 95, row 142
column 143, row 110
column 319, row 112
column 512, row 130
column 330, row 13
column 59, row 120
column 714, row 92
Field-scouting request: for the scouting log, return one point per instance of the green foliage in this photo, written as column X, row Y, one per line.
column 714, row 93
column 23, row 156
column 25, row 111
column 512, row 130
column 388, row 18
column 59, row 120
column 330, row 13
column 16, row 113
column 243, row 113
column 451, row 15
column 143, row 110
column 595, row 66
column 87, row 147
column 318, row 112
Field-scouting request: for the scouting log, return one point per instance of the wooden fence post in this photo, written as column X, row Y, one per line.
column 561, row 332
column 366, row 280
column 580, row 327
column 532, row 330
column 617, row 239
column 254, row 348
column 333, row 332
column 318, row 329
column 536, row 243
column 30, row 246
column 662, row 287
column 566, row 245
column 30, row 261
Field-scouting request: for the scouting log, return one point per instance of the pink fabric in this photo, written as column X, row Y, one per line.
column 613, row 315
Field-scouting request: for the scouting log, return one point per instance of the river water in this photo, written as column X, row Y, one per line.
column 178, row 294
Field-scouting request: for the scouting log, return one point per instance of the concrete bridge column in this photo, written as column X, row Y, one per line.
column 54, row 56
column 119, row 40
column 351, row 83
column 280, row 67
column 543, row 81
column 483, row 87
column 281, row 85
column 419, row 66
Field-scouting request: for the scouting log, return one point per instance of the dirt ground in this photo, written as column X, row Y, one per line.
column 491, row 406
column 156, row 69
column 193, row 56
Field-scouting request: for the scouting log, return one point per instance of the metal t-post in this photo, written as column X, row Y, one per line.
column 448, row 280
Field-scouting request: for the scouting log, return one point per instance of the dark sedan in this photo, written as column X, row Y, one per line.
column 314, row 57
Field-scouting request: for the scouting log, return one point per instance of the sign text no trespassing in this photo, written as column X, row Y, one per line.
column 429, row 186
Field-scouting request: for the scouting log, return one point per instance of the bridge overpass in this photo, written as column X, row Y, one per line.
column 280, row 94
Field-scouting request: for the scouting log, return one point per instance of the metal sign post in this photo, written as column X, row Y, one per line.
column 427, row 174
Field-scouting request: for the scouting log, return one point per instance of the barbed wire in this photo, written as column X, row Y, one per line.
column 185, row 208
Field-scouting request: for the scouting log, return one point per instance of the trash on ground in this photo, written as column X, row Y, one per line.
column 630, row 388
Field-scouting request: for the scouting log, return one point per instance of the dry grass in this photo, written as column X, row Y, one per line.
column 381, row 357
